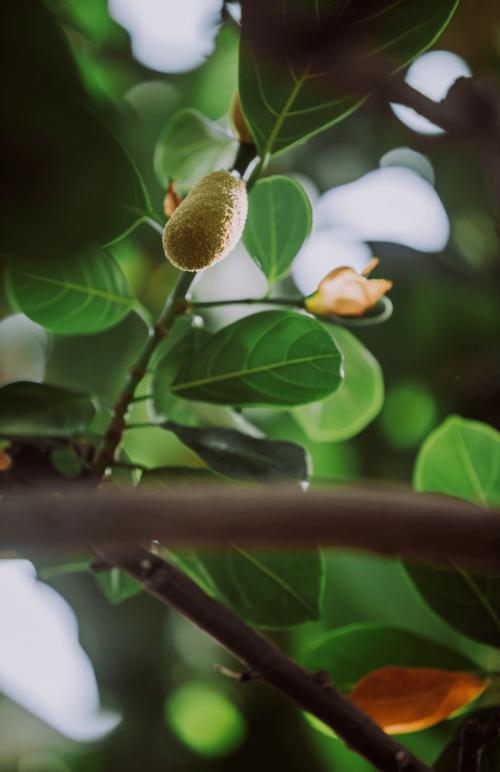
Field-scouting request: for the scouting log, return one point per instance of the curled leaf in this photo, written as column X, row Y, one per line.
column 239, row 122
column 345, row 292
column 172, row 200
column 409, row 699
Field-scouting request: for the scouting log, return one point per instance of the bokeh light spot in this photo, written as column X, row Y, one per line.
column 205, row 720
column 433, row 74
column 409, row 414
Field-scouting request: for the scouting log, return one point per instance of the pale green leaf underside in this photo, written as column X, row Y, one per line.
column 70, row 295
column 268, row 589
column 279, row 219
column 357, row 401
column 461, row 458
column 270, row 358
column 284, row 106
column 190, row 147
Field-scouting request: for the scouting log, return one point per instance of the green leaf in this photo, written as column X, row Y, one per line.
column 349, row 653
column 70, row 295
column 41, row 410
column 356, row 402
column 234, row 454
column 461, row 458
column 190, row 147
column 117, row 586
column 68, row 182
column 269, row 358
column 268, row 589
column 67, row 462
column 279, row 219
column 284, row 105
column 175, row 353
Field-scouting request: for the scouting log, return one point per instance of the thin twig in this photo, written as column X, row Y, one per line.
column 174, row 305
column 275, row 668
column 387, row 522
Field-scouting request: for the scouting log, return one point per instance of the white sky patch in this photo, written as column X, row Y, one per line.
column 23, row 350
column 42, row 665
column 433, row 74
column 169, row 35
column 392, row 204
column 325, row 250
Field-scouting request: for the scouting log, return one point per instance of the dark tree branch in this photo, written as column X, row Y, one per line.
column 310, row 693
column 388, row 522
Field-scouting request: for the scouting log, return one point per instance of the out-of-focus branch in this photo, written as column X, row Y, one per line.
column 383, row 521
column 310, row 692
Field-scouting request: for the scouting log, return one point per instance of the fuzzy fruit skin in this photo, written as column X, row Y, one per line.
column 208, row 223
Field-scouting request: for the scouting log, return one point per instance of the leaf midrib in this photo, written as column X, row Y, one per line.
column 476, row 591
column 84, row 290
column 246, row 372
column 270, row 574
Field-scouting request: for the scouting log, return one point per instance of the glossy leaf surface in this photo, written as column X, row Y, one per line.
column 269, row 358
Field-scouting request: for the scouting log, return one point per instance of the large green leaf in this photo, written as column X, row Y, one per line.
column 70, row 295
column 461, row 458
column 279, row 219
column 269, row 358
column 40, row 410
column 356, row 402
column 190, row 147
column 67, row 181
column 284, row 104
column 268, row 589
column 349, row 653
column 234, row 454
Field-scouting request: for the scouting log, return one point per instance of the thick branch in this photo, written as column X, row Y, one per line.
column 388, row 522
column 310, row 692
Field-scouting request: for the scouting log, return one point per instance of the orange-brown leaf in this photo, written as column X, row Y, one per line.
column 5, row 461
column 408, row 699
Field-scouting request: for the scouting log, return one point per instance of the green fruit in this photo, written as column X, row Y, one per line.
column 208, row 223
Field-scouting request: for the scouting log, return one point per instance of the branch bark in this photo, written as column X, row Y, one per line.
column 310, row 692
column 389, row 522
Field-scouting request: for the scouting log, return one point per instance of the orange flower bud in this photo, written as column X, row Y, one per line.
column 172, row 200
column 345, row 292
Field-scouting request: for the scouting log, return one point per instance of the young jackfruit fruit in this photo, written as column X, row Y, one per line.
column 208, row 223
